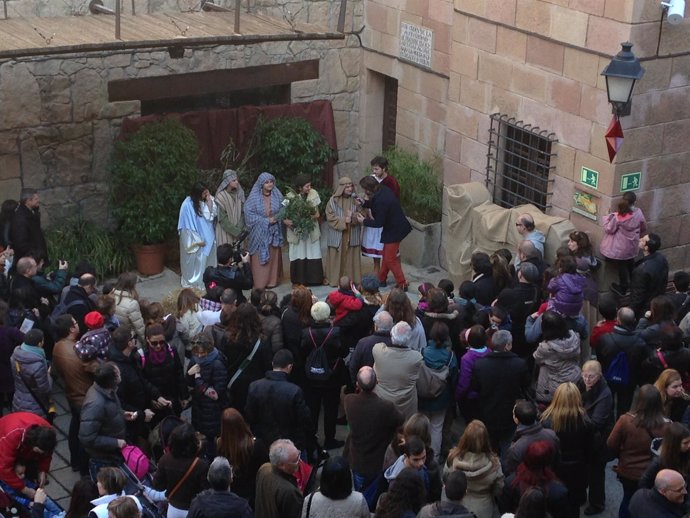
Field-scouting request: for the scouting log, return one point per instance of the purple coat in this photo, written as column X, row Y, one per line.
column 622, row 235
column 462, row 390
column 567, row 293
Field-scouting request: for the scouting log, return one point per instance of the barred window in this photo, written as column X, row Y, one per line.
column 519, row 163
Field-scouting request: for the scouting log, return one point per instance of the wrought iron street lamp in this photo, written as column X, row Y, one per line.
column 621, row 74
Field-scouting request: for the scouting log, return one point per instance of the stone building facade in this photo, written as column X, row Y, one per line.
column 57, row 126
column 539, row 61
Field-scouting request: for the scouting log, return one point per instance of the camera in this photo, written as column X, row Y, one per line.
column 237, row 247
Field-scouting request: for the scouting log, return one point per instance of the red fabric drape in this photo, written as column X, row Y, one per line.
column 215, row 128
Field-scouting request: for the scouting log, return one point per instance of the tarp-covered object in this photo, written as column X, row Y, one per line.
column 473, row 223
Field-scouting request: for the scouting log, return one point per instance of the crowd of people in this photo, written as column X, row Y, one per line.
column 215, row 407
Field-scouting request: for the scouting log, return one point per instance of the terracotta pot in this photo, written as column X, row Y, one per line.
column 150, row 259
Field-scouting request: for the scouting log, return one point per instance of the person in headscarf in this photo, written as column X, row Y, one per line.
column 265, row 231
column 344, row 234
column 197, row 236
column 230, row 200
column 306, row 266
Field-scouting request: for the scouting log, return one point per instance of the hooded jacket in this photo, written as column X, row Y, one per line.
column 567, row 293
column 484, row 482
column 622, row 235
column 560, row 362
column 30, row 369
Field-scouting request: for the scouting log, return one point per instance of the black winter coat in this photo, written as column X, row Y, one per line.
column 79, row 310
column 26, row 234
column 520, row 302
column 167, row 377
column 323, row 335
column 485, row 289
column 623, row 339
column 236, row 354
column 102, row 424
column 206, row 412
column 219, row 504
column 276, row 408
column 649, row 279
column 499, row 378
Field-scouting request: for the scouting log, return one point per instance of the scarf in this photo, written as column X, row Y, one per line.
column 208, row 359
column 263, row 235
column 38, row 351
column 158, row 357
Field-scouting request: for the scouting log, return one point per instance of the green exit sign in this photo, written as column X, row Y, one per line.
column 630, row 182
column 589, row 177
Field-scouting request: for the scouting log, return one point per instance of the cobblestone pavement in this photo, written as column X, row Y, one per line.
column 156, row 288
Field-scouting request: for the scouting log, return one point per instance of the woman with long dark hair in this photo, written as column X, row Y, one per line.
column 399, row 306
column 164, row 369
column 630, row 439
column 245, row 453
column 248, row 354
column 83, row 492
column 335, row 497
column 181, row 473
column 197, row 235
column 661, row 313
column 295, row 318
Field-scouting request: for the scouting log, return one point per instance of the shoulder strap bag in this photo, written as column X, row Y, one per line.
column 245, row 363
column 184, row 478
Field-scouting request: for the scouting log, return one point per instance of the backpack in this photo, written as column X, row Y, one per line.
column 94, row 344
column 432, row 382
column 618, row 372
column 317, row 366
column 59, row 310
column 136, row 460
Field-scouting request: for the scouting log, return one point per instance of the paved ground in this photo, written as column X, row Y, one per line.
column 157, row 288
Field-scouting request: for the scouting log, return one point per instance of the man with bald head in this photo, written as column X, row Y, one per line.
column 528, row 253
column 525, row 227
column 664, row 501
column 624, row 339
column 78, row 299
column 373, row 422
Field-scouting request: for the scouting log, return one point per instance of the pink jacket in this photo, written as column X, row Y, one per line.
column 622, row 235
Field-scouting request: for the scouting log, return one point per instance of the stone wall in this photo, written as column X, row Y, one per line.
column 57, row 127
column 540, row 62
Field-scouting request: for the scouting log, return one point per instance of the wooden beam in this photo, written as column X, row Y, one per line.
column 211, row 82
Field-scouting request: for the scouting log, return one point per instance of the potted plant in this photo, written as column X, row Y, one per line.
column 152, row 170
column 421, row 199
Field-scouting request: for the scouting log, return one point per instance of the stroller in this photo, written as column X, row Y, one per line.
column 18, row 506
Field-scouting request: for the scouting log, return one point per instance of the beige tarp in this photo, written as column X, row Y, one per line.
column 473, row 223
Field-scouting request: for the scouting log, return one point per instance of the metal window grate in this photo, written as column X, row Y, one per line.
column 518, row 164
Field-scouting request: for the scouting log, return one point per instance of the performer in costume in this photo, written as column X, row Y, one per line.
column 344, row 235
column 197, row 236
column 306, row 266
column 230, row 201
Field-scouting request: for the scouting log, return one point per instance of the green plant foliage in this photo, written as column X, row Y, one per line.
column 152, row 172
column 82, row 240
column 420, row 185
column 288, row 146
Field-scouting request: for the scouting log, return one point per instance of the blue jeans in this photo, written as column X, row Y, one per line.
column 50, row 508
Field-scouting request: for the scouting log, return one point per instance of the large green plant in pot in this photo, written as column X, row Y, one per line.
column 420, row 185
column 288, row 146
column 152, row 170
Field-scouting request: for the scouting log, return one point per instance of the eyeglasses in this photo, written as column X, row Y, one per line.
column 157, row 342
column 590, row 377
column 132, row 337
column 519, row 225
column 679, row 490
